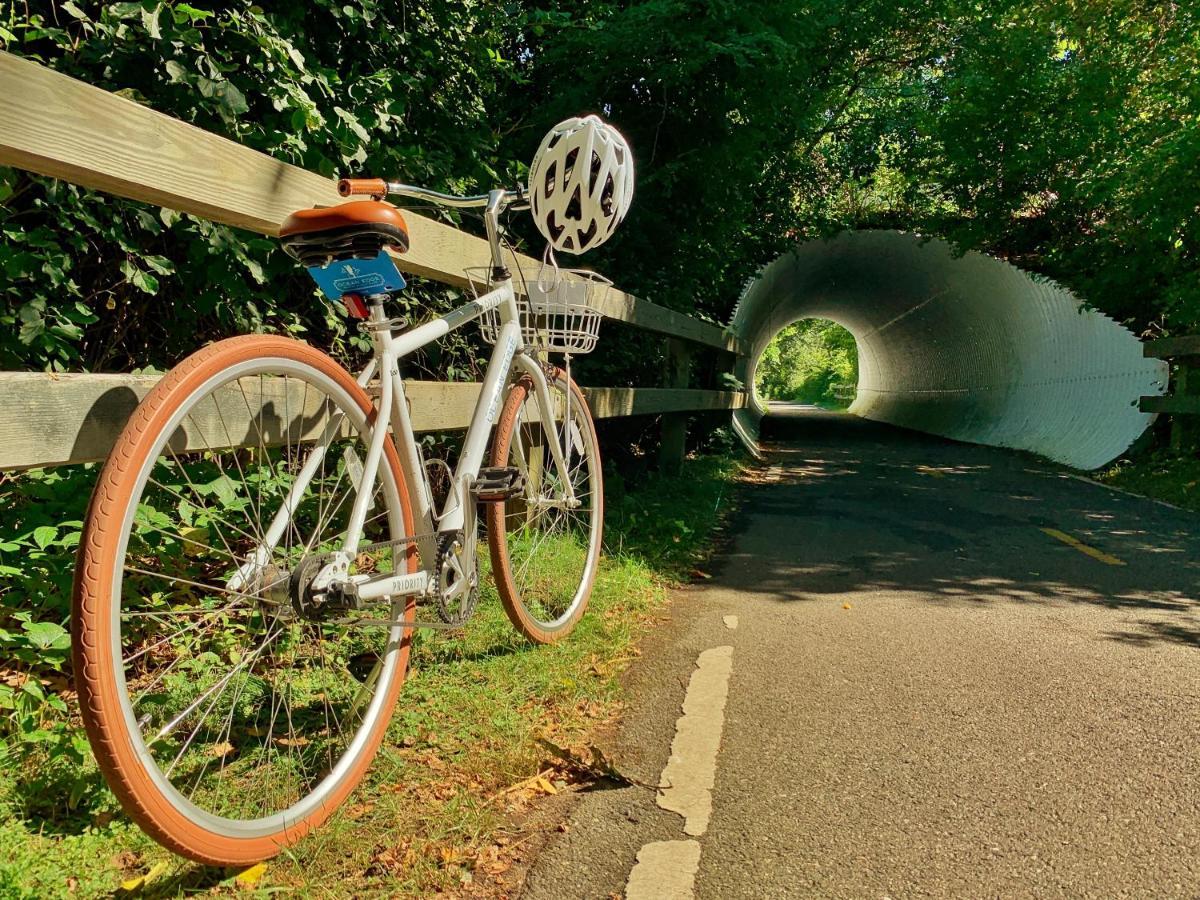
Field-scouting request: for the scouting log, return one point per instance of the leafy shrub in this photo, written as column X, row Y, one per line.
column 38, row 537
column 103, row 284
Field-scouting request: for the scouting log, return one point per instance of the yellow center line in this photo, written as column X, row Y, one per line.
column 1079, row 545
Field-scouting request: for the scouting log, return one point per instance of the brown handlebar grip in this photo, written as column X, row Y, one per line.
column 375, row 187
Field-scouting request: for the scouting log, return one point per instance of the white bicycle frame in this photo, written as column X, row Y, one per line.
column 393, row 413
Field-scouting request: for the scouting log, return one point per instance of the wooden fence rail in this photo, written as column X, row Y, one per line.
column 54, row 125
column 1184, row 400
column 48, row 420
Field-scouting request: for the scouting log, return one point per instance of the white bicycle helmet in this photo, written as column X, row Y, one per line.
column 580, row 183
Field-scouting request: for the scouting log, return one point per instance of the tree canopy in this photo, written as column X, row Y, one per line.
column 1059, row 135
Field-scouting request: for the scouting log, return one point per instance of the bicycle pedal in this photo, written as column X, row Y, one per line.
column 498, row 483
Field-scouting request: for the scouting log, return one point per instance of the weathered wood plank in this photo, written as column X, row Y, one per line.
column 48, row 420
column 55, row 125
column 613, row 402
column 1172, row 405
column 1168, row 348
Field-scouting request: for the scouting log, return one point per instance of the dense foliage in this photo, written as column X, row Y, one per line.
column 92, row 282
column 810, row 361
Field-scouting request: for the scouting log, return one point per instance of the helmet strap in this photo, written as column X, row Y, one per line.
column 548, row 274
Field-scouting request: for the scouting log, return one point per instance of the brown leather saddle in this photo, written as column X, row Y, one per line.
column 355, row 230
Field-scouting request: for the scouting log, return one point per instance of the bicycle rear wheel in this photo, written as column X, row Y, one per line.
column 229, row 717
column 545, row 550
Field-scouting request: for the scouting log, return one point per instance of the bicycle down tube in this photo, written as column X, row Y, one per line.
column 393, row 413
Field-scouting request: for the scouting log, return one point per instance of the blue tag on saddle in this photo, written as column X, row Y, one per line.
column 358, row 276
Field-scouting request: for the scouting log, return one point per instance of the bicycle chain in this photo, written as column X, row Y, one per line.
column 450, row 618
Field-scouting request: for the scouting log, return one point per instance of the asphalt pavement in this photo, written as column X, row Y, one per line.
column 957, row 671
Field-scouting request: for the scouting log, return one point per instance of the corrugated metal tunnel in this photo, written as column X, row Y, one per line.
column 969, row 347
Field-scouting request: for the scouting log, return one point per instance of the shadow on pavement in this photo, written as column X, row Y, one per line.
column 851, row 505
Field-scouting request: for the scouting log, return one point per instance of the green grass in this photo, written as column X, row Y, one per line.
column 465, row 730
column 1162, row 474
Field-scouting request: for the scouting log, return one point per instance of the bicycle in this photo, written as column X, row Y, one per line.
column 264, row 538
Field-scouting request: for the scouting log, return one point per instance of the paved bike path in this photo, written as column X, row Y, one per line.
column 956, row 672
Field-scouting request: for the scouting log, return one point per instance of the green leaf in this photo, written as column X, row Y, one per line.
column 150, row 22
column 44, row 536
column 191, row 13
column 126, row 10
column 140, row 278
column 232, row 101
column 159, row 264
column 47, row 636
column 353, row 124
column 176, row 72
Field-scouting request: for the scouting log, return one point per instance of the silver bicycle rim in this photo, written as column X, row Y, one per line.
column 555, row 520
column 382, row 675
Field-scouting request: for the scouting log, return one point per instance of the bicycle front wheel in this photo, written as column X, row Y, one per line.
column 545, row 542
column 230, row 712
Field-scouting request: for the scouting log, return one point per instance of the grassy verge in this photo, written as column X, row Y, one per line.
column 1162, row 474
column 432, row 815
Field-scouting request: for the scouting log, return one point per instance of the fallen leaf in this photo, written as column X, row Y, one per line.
column 142, row 881
column 845, row 606
column 252, row 875
column 600, row 765
column 545, row 786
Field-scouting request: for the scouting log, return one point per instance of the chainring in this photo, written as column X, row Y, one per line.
column 455, row 601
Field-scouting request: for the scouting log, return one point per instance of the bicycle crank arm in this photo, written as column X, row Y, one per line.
column 387, row 586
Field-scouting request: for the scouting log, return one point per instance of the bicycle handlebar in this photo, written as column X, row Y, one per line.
column 377, row 187
column 348, row 187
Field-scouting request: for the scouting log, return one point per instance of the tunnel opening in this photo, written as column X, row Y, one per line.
column 963, row 346
column 810, row 362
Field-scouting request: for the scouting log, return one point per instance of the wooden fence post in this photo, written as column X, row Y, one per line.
column 674, row 425
column 1187, row 384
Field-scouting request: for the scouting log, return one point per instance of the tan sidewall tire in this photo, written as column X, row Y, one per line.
column 498, row 545
column 95, row 674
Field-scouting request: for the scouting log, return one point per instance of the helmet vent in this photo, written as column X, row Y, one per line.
column 586, row 235
column 606, row 196
column 574, row 210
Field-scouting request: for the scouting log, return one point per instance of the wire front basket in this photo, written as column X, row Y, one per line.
column 557, row 307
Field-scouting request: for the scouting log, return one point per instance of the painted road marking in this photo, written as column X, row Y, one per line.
column 665, row 870
column 692, row 768
column 1079, row 545
column 730, row 622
